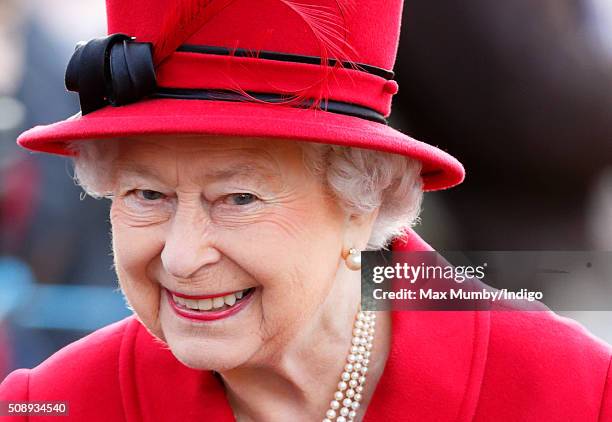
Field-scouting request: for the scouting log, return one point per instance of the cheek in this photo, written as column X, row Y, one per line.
column 294, row 254
column 287, row 240
column 134, row 249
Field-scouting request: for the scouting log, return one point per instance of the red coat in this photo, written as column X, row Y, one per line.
column 443, row 366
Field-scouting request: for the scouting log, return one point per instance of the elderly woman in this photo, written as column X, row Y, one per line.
column 238, row 218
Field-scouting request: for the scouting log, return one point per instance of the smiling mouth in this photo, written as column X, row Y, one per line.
column 205, row 304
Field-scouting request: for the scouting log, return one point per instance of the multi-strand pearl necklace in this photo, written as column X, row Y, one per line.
column 343, row 407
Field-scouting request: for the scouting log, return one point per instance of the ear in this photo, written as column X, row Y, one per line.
column 358, row 230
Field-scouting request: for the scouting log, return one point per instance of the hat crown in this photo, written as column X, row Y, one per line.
column 369, row 30
column 309, row 70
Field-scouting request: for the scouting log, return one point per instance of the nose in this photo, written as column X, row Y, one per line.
column 189, row 245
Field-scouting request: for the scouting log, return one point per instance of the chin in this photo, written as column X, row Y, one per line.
column 219, row 345
column 202, row 355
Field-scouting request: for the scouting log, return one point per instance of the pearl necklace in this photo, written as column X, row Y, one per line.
column 343, row 408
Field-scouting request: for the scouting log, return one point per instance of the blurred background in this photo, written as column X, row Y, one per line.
column 519, row 91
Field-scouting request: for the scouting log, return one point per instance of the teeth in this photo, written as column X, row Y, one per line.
column 205, row 304
column 230, row 299
column 210, row 303
column 218, row 302
column 191, row 303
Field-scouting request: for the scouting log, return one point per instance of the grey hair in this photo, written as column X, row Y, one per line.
column 364, row 180
column 361, row 179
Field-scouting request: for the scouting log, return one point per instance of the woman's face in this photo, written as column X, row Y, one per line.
column 199, row 217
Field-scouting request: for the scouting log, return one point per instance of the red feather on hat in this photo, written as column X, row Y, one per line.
column 326, row 24
column 183, row 21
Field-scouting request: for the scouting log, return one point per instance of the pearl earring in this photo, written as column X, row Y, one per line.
column 353, row 260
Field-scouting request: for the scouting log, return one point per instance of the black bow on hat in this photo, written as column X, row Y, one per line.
column 113, row 70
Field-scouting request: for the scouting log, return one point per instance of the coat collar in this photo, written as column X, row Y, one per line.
column 436, row 363
column 433, row 372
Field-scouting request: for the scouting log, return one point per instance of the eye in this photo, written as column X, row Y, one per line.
column 149, row 195
column 241, row 198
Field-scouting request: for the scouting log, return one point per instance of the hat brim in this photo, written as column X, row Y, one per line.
column 173, row 116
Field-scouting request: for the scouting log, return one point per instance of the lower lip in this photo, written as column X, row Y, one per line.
column 209, row 315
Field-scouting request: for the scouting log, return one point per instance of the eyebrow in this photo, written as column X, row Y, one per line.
column 137, row 169
column 241, row 169
column 238, row 170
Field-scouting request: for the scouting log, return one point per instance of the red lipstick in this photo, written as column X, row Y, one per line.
column 212, row 314
column 197, row 297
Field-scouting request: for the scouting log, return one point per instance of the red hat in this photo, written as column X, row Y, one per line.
column 312, row 70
